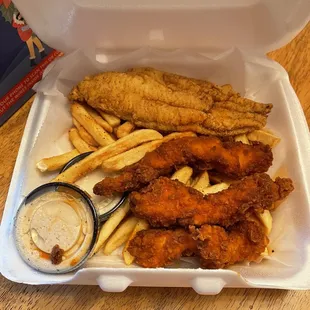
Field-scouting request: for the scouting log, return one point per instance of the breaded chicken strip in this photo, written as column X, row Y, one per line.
column 169, row 102
column 158, row 247
column 233, row 159
column 166, row 202
column 220, row 248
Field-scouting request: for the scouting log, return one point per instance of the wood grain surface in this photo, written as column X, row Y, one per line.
column 295, row 58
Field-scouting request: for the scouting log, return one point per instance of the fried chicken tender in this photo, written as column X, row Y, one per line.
column 234, row 159
column 168, row 102
column 158, row 247
column 220, row 248
column 166, row 202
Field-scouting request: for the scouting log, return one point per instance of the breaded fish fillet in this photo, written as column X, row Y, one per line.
column 234, row 159
column 165, row 202
column 159, row 247
column 220, row 248
column 168, row 102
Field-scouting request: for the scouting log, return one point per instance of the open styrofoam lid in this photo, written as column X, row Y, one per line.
column 257, row 25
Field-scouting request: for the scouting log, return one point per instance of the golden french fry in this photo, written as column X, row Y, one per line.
column 130, row 157
column 214, row 188
column 242, row 138
column 183, row 175
column 110, row 225
column 264, row 136
column 121, row 235
column 141, row 225
column 177, row 135
column 84, row 134
column 78, row 142
column 266, row 219
column 92, row 127
column 56, row 162
column 124, row 129
column 202, row 182
column 111, row 119
column 95, row 159
column 95, row 115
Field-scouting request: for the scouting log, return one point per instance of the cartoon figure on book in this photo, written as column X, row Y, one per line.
column 24, row 31
column 27, row 35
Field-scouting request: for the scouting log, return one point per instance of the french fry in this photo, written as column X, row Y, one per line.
column 264, row 136
column 95, row 115
column 214, row 188
column 177, row 135
column 141, row 225
column 56, row 162
column 183, row 175
column 130, row 157
column 93, row 128
column 95, row 159
column 121, row 235
column 110, row 225
column 242, row 138
column 202, row 182
column 84, row 134
column 111, row 119
column 124, row 129
column 78, row 142
column 266, row 219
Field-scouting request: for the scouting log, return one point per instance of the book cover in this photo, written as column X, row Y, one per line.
column 23, row 58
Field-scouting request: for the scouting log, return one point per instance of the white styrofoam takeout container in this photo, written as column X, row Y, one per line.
column 116, row 28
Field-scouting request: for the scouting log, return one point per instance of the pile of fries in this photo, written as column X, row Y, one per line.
column 117, row 144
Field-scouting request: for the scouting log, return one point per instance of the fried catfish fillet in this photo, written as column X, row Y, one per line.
column 168, row 102
column 220, row 248
column 159, row 247
column 234, row 159
column 166, row 202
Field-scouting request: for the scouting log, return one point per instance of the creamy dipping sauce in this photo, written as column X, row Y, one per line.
column 55, row 218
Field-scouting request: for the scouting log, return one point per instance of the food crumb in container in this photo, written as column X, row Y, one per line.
column 56, row 255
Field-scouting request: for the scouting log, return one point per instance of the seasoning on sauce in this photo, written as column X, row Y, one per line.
column 44, row 255
column 74, row 262
column 56, row 255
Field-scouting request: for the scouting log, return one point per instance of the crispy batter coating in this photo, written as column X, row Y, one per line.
column 168, row 102
column 158, row 247
column 234, row 159
column 218, row 248
column 166, row 202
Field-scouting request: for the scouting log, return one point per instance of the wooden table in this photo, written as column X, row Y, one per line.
column 295, row 58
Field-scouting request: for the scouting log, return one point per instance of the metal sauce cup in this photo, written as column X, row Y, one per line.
column 57, row 225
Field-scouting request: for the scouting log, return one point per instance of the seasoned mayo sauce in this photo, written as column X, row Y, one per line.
column 61, row 218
